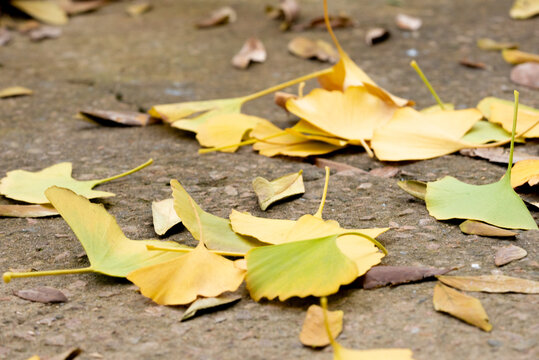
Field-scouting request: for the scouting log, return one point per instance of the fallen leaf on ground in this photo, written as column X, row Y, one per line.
column 280, row 98
column 138, row 9
column 524, row 9
column 472, row 64
column 313, row 332
column 339, row 21
column 14, row 91
column 218, row 234
column 46, row 11
column 109, row 251
column 164, row 216
column 45, row 32
column 407, row 22
column 30, row 186
column 526, row 74
column 288, row 11
column 385, row 171
column 5, row 36
column 79, row 7
column 491, row 284
column 203, row 305
column 515, row 57
column 415, row 188
column 220, row 16
column 497, row 155
column 117, row 118
column 509, row 253
column 313, row 49
column 501, row 112
column 376, row 35
column 525, row 171
column 485, row 104
column 42, row 294
column 379, row 276
column 483, row 132
column 464, row 307
column 489, row 44
column 27, row 210
column 252, row 51
column 473, row 227
column 269, row 192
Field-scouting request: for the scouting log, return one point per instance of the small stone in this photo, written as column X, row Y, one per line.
column 412, row 52
column 365, row 186
column 231, row 191
column 494, row 343
column 475, row 266
column 423, row 222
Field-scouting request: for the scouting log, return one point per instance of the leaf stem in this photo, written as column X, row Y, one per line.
column 10, row 275
column 243, row 143
column 371, row 239
column 318, row 213
column 286, row 84
column 513, row 131
column 140, row 167
column 330, row 29
column 186, row 250
column 416, row 67
column 324, row 305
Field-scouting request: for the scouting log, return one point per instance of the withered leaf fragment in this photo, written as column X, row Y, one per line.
column 313, row 49
column 376, row 35
column 497, row 155
column 313, row 332
column 288, row 11
column 220, row 16
column 164, row 216
column 472, row 64
column 526, row 74
column 117, row 117
column 491, row 284
column 42, row 294
column 280, row 98
column 473, row 227
column 379, row 276
column 407, row 22
column 341, row 20
column 269, row 192
column 27, row 210
column 509, row 253
column 203, row 305
column 464, row 307
column 67, row 355
column 489, row 44
column 45, row 32
column 252, row 50
column 14, row 91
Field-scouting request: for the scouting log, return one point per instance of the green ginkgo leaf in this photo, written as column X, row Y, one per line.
column 300, row 268
column 30, row 186
column 484, row 131
column 495, row 204
column 109, row 251
column 218, row 234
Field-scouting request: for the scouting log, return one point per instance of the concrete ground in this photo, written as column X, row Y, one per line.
column 108, row 60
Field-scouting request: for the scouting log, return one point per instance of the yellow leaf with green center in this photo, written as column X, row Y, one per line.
column 109, row 251
column 269, row 192
column 30, row 186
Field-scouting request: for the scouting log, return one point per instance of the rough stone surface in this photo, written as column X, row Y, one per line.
column 107, row 60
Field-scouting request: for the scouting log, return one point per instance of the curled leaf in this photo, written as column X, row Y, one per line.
column 14, row 91
column 269, row 192
column 407, row 22
column 489, row 44
column 252, row 51
column 515, row 57
column 164, row 216
column 288, row 11
column 414, row 188
column 42, row 294
column 117, row 118
column 221, row 16
column 308, row 49
column 491, row 284
column 379, row 276
column 376, row 35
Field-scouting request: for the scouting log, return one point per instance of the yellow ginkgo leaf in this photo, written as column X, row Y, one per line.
column 502, row 113
column 524, row 9
column 269, row 192
column 313, row 332
column 164, row 216
column 14, row 91
column 352, row 114
column 181, row 280
column 514, row 57
column 226, row 129
column 47, row 11
column 412, row 135
column 525, row 171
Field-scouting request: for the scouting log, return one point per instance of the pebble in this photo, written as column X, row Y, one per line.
column 494, row 343
column 475, row 266
column 365, row 186
column 412, row 52
column 231, row 191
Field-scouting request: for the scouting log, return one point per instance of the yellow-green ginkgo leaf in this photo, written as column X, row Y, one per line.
column 495, row 203
column 30, row 186
column 109, row 251
column 352, row 114
column 218, row 234
column 226, row 130
column 269, row 192
column 47, row 11
column 483, row 132
column 412, row 135
column 181, row 280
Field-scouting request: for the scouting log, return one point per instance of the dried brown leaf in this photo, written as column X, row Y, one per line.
column 27, row 211
column 385, row 171
column 218, row 17
column 313, row 49
column 379, row 276
column 5, row 36
column 288, row 11
column 45, row 32
column 474, row 227
column 117, row 118
column 337, row 21
column 464, row 307
column 491, row 284
column 472, row 64
column 509, row 253
column 497, row 154
column 252, row 50
column 376, row 35
column 489, row 44
column 407, row 22
column 313, row 332
column 42, row 294
column 526, row 74
column 282, row 97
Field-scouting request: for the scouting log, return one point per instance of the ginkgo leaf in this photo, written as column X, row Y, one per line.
column 47, row 11
column 27, row 210
column 524, row 9
column 525, row 171
column 415, row 188
column 484, row 105
column 164, row 216
column 514, row 57
column 181, row 280
column 352, row 114
column 202, row 305
column 346, row 73
column 226, row 129
column 116, row 117
column 484, row 131
column 489, row 44
column 491, row 284
column 14, row 91
column 269, row 192
column 313, row 332
column 412, row 135
column 464, row 307
column 218, row 234
column 480, row 228
column 501, row 113
column 30, row 186
column 109, row 251
column 302, row 149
